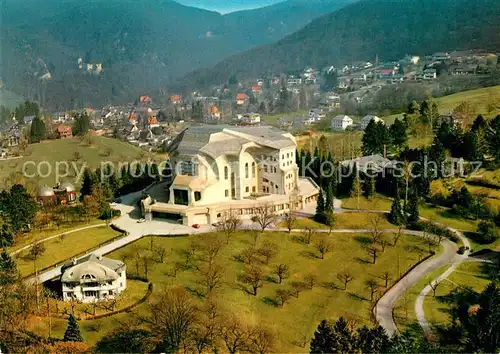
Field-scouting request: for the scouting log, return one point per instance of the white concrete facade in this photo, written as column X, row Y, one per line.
column 367, row 119
column 224, row 164
column 341, row 122
column 93, row 278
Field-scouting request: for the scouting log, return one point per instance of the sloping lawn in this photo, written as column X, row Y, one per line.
column 295, row 322
column 59, row 249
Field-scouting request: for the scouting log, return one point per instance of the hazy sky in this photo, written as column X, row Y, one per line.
column 225, row 6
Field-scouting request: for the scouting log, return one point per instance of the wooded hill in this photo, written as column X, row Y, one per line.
column 361, row 31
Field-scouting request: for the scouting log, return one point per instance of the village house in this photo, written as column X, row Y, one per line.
column 221, row 169
column 214, row 112
column 176, row 99
column 341, row 122
column 294, row 81
column 256, row 89
column 93, row 278
column 241, row 98
column 344, row 82
column 464, row 70
column 315, row 115
column 441, row 56
column 64, row 131
column 64, row 193
column 367, row 119
column 430, row 74
column 251, row 118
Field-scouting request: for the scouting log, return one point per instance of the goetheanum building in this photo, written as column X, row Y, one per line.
column 220, row 168
column 93, row 278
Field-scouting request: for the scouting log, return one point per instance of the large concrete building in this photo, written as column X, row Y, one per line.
column 220, row 168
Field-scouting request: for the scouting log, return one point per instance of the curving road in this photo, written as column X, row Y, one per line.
column 456, row 261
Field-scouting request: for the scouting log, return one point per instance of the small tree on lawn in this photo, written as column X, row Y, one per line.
column 282, row 296
column 264, row 216
column 372, row 286
column 228, row 224
column 396, row 216
column 268, row 251
column 330, row 221
column 72, row 333
column 282, row 271
column 356, row 190
column 372, row 252
column 310, row 280
column 434, row 285
column 345, row 277
column 323, row 247
column 254, row 276
column 289, row 220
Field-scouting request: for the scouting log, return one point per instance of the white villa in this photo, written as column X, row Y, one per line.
column 221, row 168
column 367, row 119
column 93, row 278
column 341, row 122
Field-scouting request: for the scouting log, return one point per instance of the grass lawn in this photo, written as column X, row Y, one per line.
column 379, row 202
column 344, row 220
column 134, row 292
column 64, row 150
column 479, row 98
column 296, row 321
column 468, row 274
column 27, row 238
column 57, row 249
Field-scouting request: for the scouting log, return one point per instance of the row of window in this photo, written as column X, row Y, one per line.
column 247, row 174
column 233, row 191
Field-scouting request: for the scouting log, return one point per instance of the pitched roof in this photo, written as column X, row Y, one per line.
column 99, row 268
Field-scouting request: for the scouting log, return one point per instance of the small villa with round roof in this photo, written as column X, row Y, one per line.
column 93, row 278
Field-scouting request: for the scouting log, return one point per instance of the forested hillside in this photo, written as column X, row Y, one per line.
column 363, row 30
column 141, row 45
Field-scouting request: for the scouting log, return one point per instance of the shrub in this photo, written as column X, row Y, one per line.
column 487, row 232
column 461, row 250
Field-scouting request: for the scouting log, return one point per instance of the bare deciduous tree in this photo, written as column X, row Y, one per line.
column 345, row 277
column 434, row 285
column 386, row 277
column 372, row 252
column 282, row 296
column 323, row 247
column 310, row 280
column 264, row 216
column 262, row 341
column 397, row 236
column 211, row 247
column 309, row 235
column 254, row 276
column 173, row 316
column 212, row 277
column 282, row 271
column 235, row 335
column 372, row 286
column 248, row 255
column 375, row 227
column 206, row 331
column 268, row 250
column 297, row 287
column 289, row 220
column 229, row 223
column 160, row 252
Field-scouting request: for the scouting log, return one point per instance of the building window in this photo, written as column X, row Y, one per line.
column 276, row 186
column 283, row 156
column 265, row 168
column 253, row 169
column 219, row 214
column 247, row 189
column 110, row 292
column 226, row 193
column 180, row 197
column 246, row 170
column 233, row 192
column 253, row 189
column 197, row 196
column 275, row 169
column 287, row 154
column 226, row 172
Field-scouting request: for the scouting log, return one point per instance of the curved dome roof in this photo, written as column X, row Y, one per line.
column 46, row 192
column 68, row 187
column 89, row 272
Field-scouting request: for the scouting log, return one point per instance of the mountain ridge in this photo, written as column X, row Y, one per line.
column 363, row 30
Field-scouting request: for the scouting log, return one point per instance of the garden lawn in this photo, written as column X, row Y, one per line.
column 468, row 274
column 378, row 202
column 344, row 220
column 27, row 238
column 295, row 323
column 60, row 249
